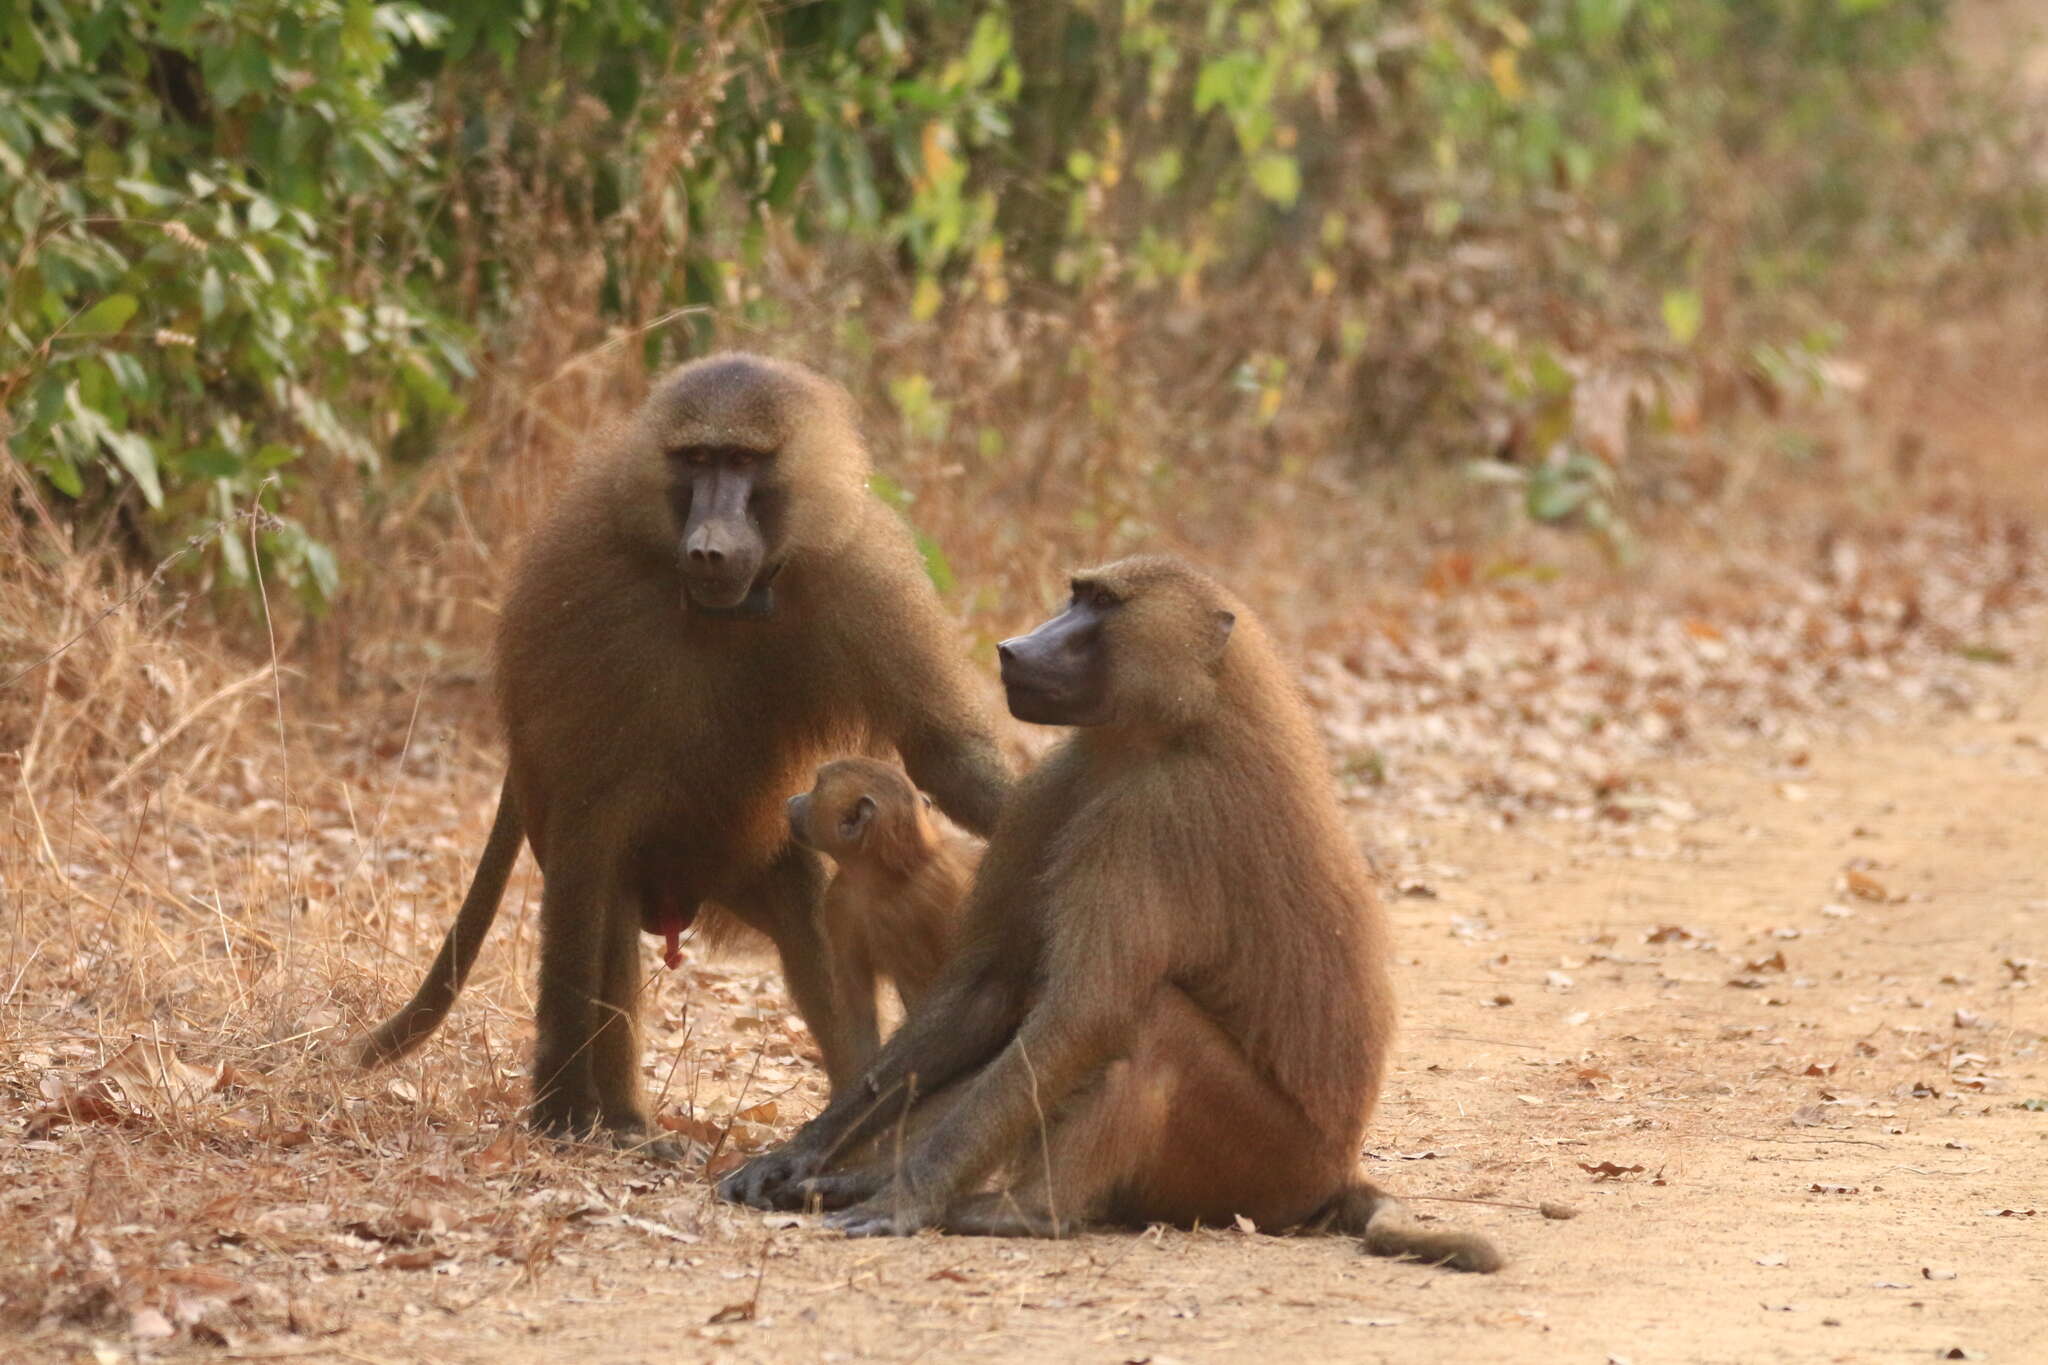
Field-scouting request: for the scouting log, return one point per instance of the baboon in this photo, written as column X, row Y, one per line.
column 1171, row 1002
column 710, row 610
column 895, row 899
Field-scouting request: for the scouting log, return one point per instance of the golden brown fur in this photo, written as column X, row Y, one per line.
column 652, row 743
column 893, row 906
column 1172, row 1000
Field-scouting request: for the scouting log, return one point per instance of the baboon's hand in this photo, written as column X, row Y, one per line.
column 894, row 1212
column 841, row 1189
column 772, row 1180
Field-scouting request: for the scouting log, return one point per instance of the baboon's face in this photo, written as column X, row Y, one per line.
column 851, row 804
column 740, row 438
column 718, row 491
column 1059, row 673
column 1134, row 639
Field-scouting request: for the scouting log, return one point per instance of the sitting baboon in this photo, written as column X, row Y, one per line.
column 708, row 611
column 894, row 901
column 1171, row 1002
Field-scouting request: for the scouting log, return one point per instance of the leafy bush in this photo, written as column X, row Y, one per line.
column 207, row 216
column 255, row 239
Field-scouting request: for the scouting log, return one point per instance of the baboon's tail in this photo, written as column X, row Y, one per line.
column 1378, row 1219
column 408, row 1028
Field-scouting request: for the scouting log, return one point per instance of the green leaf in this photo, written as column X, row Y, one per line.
column 1223, row 81
column 136, row 455
column 212, row 294
column 988, row 47
column 888, row 490
column 1278, row 177
column 326, row 574
column 62, row 474
column 156, row 196
column 177, row 18
column 936, row 565
column 209, row 462
column 128, row 373
column 1683, row 313
column 106, row 317
column 1553, row 497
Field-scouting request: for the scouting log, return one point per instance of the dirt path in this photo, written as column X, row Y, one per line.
column 1813, row 1084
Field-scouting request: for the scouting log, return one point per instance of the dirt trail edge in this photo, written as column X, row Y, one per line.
column 1778, row 1053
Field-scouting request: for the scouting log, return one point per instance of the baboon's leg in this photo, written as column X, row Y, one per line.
column 1069, row 1168
column 578, row 901
column 783, row 903
column 1180, row 1129
column 615, row 1052
column 870, row 1165
column 853, row 989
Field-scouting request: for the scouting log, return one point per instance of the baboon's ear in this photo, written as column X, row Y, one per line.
column 856, row 822
column 1220, row 622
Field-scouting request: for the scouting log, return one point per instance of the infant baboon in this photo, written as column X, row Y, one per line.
column 707, row 612
column 1171, row 1001
column 894, row 903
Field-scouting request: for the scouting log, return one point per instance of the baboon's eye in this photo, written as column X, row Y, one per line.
column 741, row 459
column 1093, row 595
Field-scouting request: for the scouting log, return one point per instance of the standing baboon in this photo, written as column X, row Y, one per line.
column 1171, row 1002
column 709, row 610
column 894, row 902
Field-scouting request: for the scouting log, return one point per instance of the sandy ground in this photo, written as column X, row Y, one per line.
column 1791, row 1015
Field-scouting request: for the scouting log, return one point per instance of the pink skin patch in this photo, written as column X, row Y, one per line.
column 670, row 921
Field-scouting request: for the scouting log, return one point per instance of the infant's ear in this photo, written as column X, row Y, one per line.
column 1220, row 623
column 856, row 822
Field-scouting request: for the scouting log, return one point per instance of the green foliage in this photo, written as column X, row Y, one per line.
column 250, row 242
column 202, row 294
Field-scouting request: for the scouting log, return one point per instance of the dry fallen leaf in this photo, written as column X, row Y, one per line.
column 419, row 1258
column 147, row 1324
column 154, row 1080
column 1863, row 885
column 697, row 1129
column 732, row 1312
column 1607, row 1170
column 507, row 1150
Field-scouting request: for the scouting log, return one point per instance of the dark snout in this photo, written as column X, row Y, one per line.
column 1056, row 675
column 799, row 817
column 722, row 547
